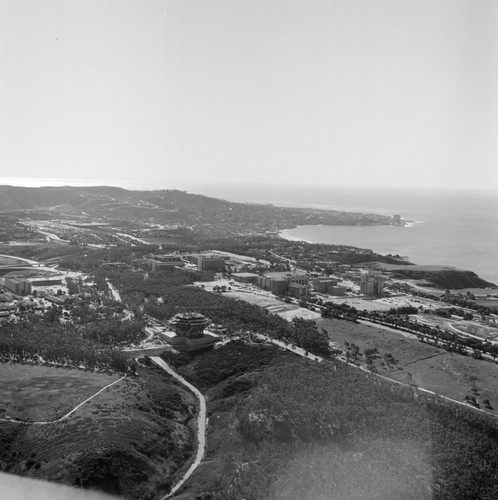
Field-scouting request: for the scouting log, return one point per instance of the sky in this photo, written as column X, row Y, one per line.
column 166, row 92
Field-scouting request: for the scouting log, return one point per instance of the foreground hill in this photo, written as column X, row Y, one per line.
column 281, row 427
column 129, row 441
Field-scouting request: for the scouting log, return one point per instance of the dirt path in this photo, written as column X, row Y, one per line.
column 296, row 350
column 46, row 422
column 201, row 424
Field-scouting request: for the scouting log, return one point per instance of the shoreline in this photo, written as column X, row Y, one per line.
column 414, row 259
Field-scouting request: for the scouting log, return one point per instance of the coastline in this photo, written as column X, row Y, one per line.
column 411, row 242
column 284, row 234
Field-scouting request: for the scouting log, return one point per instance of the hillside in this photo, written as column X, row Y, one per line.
column 444, row 277
column 281, row 427
column 129, row 441
column 92, row 197
column 200, row 214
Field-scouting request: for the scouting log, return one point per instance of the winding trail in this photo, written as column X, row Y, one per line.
column 46, row 422
column 201, row 425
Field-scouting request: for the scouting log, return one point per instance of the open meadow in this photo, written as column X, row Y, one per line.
column 31, row 393
column 274, row 305
column 450, row 374
column 6, row 260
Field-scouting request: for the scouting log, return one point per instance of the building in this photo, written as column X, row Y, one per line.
column 59, row 300
column 162, row 262
column 279, row 283
column 18, row 286
column 190, row 333
column 190, row 325
column 300, row 279
column 210, row 263
column 171, row 258
column 279, row 286
column 46, row 281
column 324, row 285
column 372, row 285
column 298, row 290
column 245, row 277
column 193, row 258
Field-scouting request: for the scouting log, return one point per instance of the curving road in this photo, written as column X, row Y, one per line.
column 201, row 425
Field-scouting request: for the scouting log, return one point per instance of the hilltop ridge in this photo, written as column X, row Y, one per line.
column 199, row 213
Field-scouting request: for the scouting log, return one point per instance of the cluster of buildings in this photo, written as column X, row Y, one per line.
column 20, row 286
column 162, row 262
column 214, row 263
column 293, row 284
column 329, row 286
column 203, row 262
column 299, row 284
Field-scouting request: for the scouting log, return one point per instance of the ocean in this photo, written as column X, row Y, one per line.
column 445, row 227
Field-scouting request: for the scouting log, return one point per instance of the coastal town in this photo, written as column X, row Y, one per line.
column 155, row 322
column 462, row 321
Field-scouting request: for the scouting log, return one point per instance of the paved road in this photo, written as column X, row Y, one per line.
column 201, row 425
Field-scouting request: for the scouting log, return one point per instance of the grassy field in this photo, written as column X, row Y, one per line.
column 45, row 393
column 361, row 304
column 430, row 367
column 10, row 261
column 275, row 306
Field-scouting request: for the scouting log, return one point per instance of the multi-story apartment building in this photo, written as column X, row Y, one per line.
column 372, row 285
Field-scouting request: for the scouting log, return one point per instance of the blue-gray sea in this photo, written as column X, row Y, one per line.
column 447, row 227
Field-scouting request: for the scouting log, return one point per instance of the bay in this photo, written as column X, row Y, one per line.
column 456, row 228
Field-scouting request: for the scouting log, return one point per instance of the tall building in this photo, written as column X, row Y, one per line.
column 210, row 263
column 18, row 286
column 324, row 285
column 297, row 290
column 279, row 286
column 280, row 283
column 372, row 285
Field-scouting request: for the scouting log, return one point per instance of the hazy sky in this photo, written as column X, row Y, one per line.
column 394, row 92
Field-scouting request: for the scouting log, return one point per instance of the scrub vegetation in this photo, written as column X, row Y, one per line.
column 284, row 427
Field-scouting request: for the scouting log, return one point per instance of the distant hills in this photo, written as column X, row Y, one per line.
column 82, row 198
column 200, row 214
